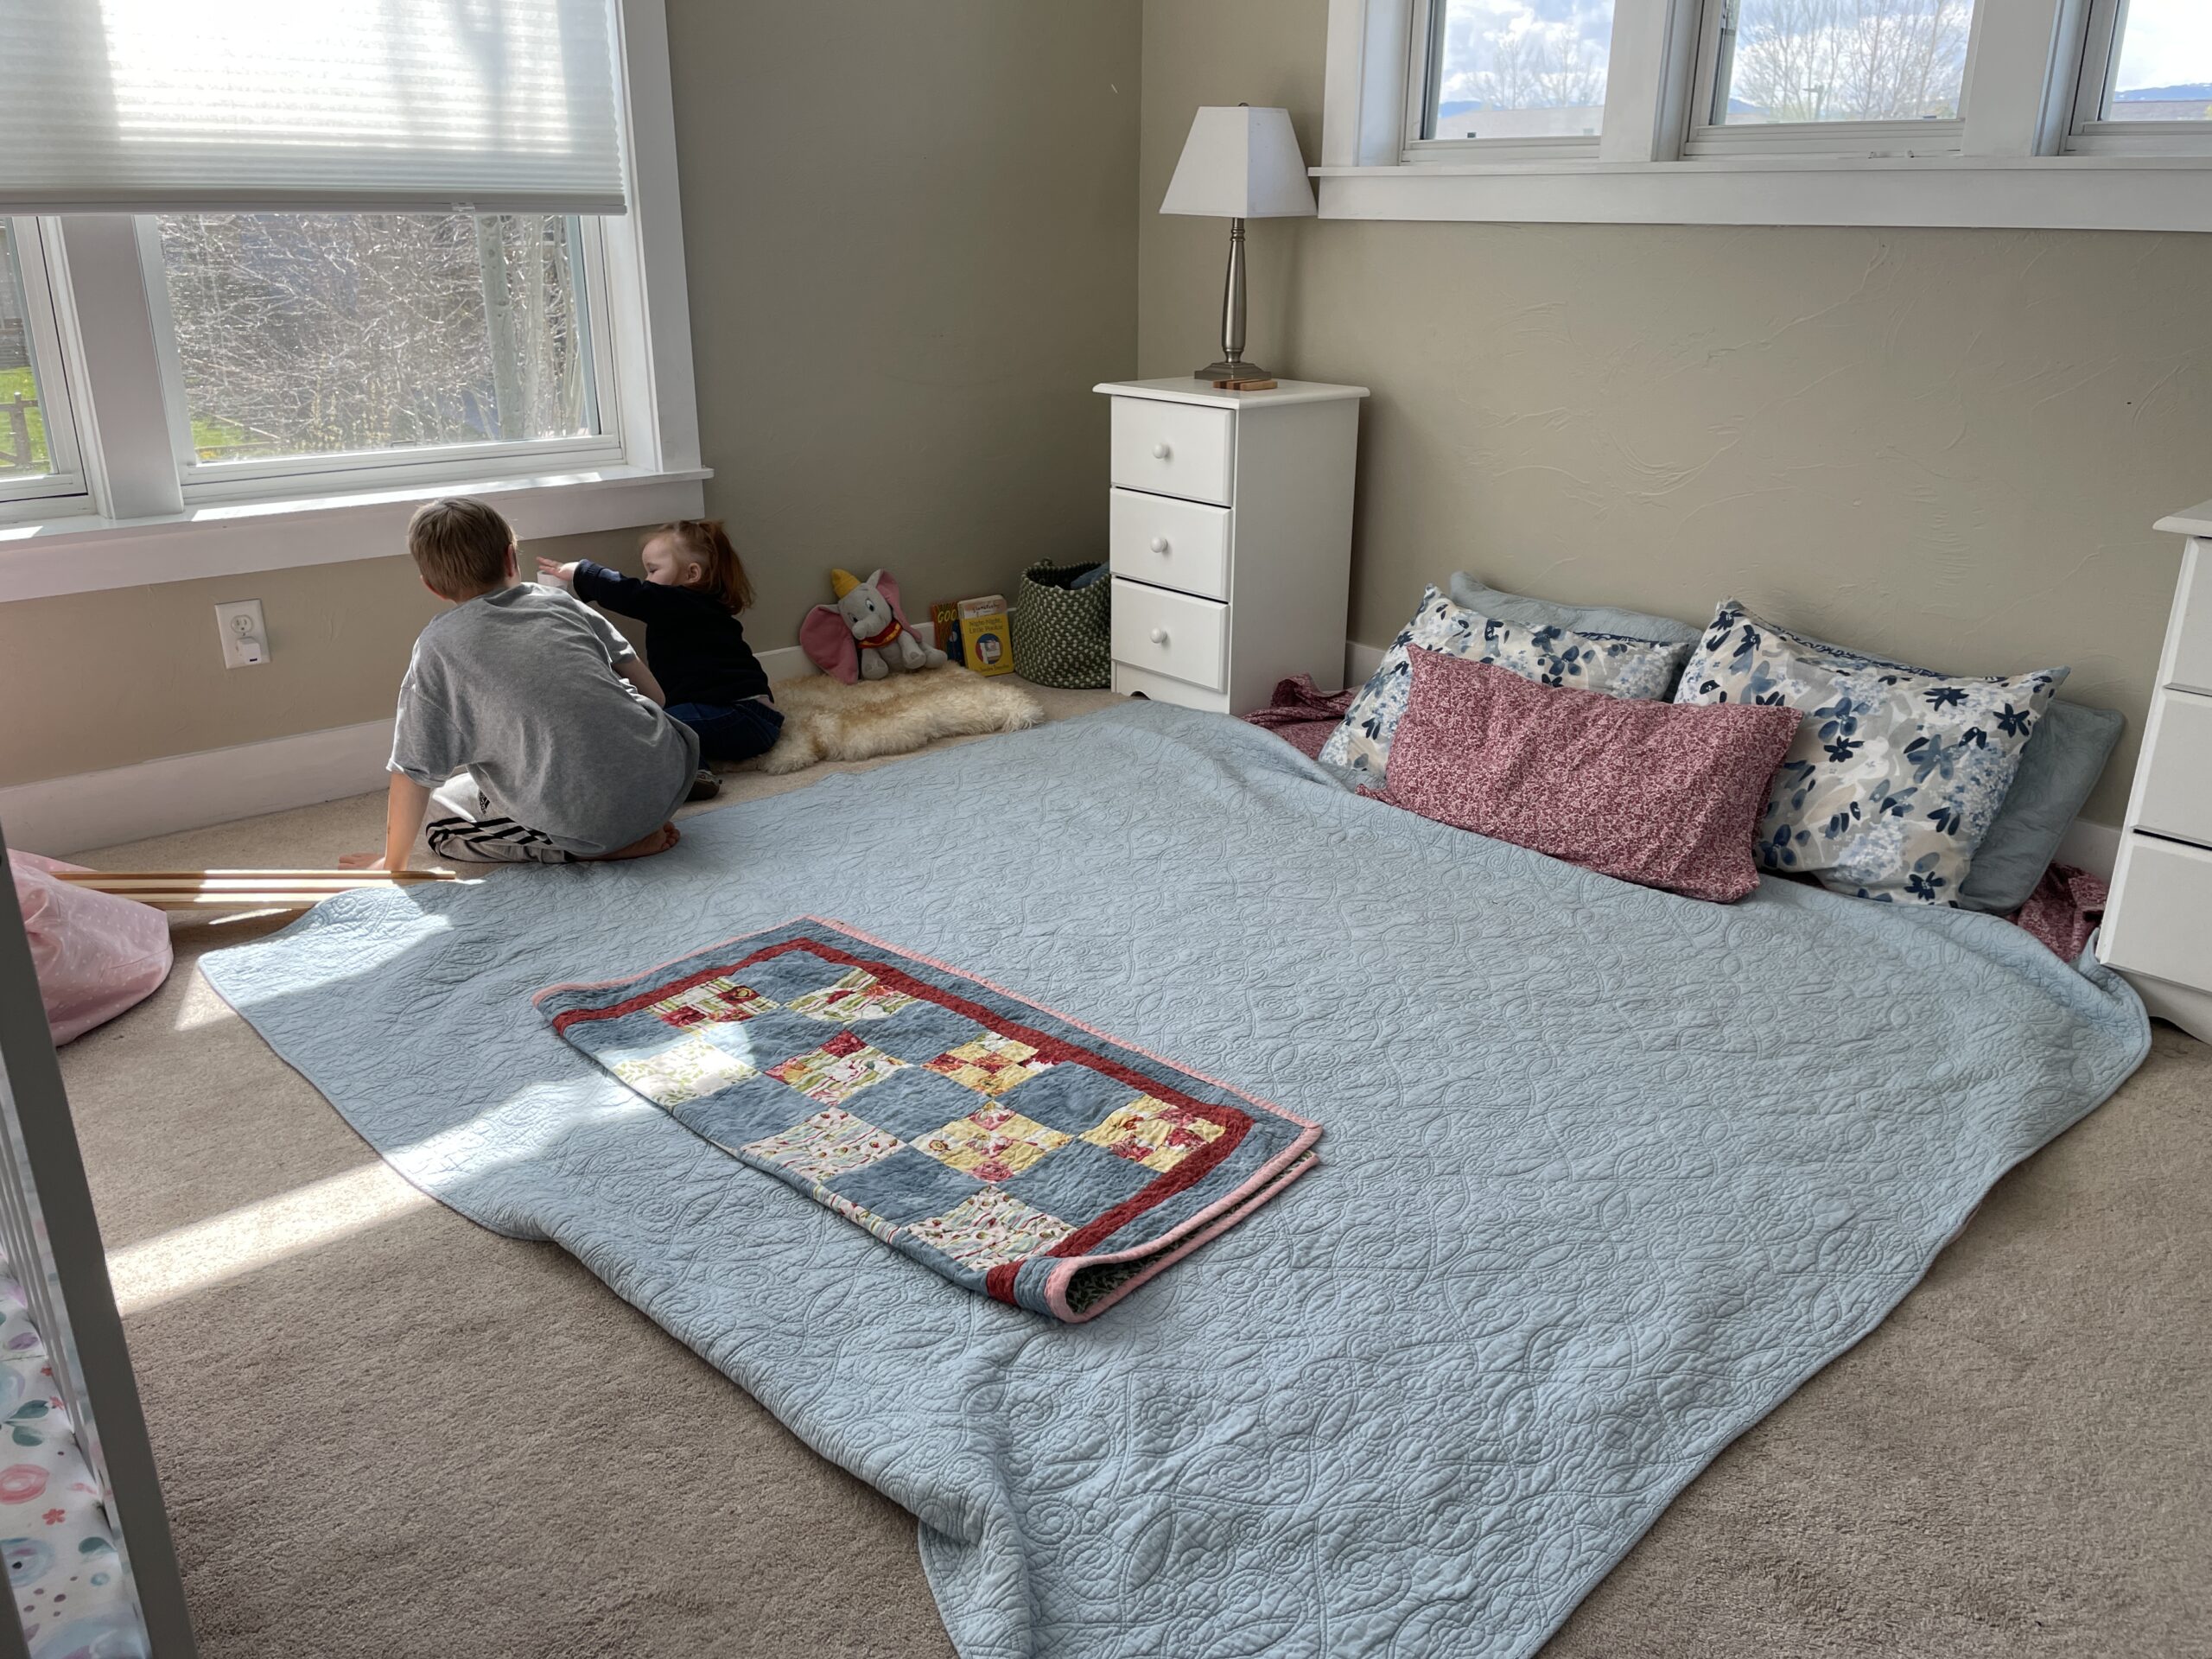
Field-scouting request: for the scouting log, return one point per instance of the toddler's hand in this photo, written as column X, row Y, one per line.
column 559, row 575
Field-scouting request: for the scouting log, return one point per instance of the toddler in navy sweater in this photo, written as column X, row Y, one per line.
column 688, row 602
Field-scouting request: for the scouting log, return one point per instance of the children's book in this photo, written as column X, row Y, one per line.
column 986, row 641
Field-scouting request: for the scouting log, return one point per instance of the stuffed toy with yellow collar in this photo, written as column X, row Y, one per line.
column 880, row 635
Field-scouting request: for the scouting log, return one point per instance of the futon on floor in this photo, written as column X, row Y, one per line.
column 1608, row 1173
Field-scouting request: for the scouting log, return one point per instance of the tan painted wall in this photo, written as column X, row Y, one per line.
column 1946, row 445
column 911, row 243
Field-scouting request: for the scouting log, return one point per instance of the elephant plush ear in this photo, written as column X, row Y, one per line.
column 828, row 640
column 889, row 589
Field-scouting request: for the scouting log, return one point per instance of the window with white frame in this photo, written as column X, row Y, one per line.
column 1500, row 72
column 2146, row 78
column 38, row 439
column 1883, row 76
column 2089, row 113
column 294, row 343
column 314, row 256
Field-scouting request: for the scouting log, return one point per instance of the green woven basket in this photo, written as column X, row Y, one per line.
column 1062, row 635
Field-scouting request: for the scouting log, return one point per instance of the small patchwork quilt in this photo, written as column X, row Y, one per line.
column 1012, row 1149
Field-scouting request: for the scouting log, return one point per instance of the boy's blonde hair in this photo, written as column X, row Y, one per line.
column 460, row 545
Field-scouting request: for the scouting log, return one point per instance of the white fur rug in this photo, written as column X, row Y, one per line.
column 826, row 720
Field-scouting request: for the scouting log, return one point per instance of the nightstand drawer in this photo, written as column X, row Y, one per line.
column 2160, row 922
column 2176, row 775
column 1169, row 543
column 1175, row 449
column 1171, row 633
column 2192, row 669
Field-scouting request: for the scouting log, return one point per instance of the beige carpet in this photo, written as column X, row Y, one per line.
column 414, row 1438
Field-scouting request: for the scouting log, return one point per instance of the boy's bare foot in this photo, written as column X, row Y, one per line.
column 645, row 847
column 360, row 861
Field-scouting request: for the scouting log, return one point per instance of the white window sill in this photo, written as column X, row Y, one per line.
column 2100, row 192
column 81, row 553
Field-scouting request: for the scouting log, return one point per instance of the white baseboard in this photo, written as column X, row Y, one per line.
column 61, row 816
column 785, row 663
column 90, row 810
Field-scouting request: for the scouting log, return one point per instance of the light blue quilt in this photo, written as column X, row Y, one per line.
column 1608, row 1174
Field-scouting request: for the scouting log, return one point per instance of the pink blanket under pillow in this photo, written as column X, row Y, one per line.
column 1664, row 794
column 95, row 954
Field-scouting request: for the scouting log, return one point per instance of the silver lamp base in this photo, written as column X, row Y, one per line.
column 1238, row 370
column 1231, row 364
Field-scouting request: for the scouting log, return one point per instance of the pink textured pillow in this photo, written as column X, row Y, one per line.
column 1664, row 794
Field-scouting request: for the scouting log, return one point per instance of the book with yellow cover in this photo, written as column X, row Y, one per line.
column 986, row 641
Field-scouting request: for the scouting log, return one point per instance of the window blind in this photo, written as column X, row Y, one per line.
column 297, row 105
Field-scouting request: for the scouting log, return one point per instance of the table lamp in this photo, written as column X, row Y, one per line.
column 1237, row 164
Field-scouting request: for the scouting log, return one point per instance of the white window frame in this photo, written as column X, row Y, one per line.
column 1419, row 148
column 2092, row 134
column 1708, row 137
column 142, row 511
column 2018, row 158
column 239, row 480
column 65, row 477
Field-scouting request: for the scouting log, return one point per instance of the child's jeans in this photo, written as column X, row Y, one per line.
column 731, row 734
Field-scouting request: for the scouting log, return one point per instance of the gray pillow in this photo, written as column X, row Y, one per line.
column 2064, row 757
column 1470, row 593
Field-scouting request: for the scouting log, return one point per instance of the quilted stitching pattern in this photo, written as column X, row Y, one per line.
column 1608, row 1173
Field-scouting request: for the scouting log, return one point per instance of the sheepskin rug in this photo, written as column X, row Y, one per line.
column 826, row 720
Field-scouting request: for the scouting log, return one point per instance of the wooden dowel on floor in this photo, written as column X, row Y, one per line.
column 241, row 889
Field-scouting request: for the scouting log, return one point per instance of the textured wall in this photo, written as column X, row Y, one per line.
column 1947, row 446
column 911, row 240
column 96, row 680
column 910, row 233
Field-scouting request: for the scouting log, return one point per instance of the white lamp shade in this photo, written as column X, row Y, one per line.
column 1240, row 164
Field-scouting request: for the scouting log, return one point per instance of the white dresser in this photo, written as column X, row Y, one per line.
column 2157, row 928
column 1230, row 533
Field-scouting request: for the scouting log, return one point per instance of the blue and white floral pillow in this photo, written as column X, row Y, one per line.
column 1549, row 656
column 1896, row 773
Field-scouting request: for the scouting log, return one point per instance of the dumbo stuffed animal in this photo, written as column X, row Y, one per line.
column 884, row 642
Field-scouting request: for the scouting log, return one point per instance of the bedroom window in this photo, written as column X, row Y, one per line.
column 2063, row 114
column 296, row 269
column 1510, row 74
column 2146, row 78
column 299, row 343
column 38, row 455
column 1874, row 77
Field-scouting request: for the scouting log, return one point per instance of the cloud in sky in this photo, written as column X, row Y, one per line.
column 2169, row 42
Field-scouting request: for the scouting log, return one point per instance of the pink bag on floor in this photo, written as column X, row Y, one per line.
column 96, row 954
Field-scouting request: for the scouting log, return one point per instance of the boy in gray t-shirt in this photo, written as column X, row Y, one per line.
column 525, row 720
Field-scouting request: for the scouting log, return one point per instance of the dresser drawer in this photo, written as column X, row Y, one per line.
column 1169, row 544
column 2177, row 768
column 1175, row 449
column 2160, row 922
column 1169, row 633
column 2192, row 669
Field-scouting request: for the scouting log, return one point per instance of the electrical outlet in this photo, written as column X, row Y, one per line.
column 246, row 640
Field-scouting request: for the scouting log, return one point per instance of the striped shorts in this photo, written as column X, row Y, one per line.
column 462, row 826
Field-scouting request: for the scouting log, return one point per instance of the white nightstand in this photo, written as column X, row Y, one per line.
column 2158, row 927
column 1230, row 533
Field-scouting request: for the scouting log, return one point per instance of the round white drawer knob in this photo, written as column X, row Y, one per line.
column 1159, row 543
column 1159, row 452
column 1159, row 636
